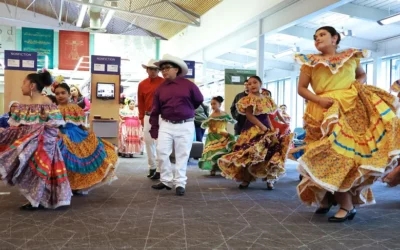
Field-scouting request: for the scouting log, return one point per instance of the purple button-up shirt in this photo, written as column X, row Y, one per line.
column 174, row 100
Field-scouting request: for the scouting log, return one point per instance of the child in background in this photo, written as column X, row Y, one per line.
column 219, row 142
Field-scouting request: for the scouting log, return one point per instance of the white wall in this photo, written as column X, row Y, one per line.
column 217, row 23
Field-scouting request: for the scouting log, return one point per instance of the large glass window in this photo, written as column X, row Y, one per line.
column 395, row 69
column 390, row 68
column 369, row 71
column 273, row 87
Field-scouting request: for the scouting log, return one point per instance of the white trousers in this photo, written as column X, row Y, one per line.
column 151, row 145
column 179, row 136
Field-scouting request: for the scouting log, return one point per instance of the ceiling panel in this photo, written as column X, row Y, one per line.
column 390, row 5
column 127, row 23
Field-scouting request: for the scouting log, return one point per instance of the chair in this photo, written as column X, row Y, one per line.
column 196, row 152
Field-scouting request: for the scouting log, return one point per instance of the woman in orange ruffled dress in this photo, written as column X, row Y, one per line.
column 90, row 161
column 352, row 131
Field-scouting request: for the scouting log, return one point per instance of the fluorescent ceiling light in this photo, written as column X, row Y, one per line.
column 286, row 52
column 248, row 65
column 82, row 14
column 390, row 19
column 107, row 19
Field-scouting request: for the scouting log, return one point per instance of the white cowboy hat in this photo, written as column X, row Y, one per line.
column 173, row 59
column 150, row 64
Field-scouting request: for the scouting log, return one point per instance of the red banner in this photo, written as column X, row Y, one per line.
column 73, row 46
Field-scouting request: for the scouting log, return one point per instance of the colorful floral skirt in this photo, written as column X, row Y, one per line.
column 90, row 161
column 262, row 154
column 216, row 146
column 130, row 136
column 350, row 145
column 31, row 160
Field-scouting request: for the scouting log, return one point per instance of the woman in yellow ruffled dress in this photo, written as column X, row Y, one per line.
column 260, row 151
column 90, row 161
column 352, row 132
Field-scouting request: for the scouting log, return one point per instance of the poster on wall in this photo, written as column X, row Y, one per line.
column 20, row 60
column 40, row 41
column 106, row 65
column 72, row 46
column 191, row 69
column 238, row 76
column 7, row 38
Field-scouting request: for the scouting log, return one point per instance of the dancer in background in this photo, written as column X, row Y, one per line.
column 393, row 178
column 276, row 120
column 29, row 155
column 90, row 161
column 79, row 99
column 4, row 118
column 241, row 119
column 146, row 91
column 260, row 151
column 219, row 142
column 131, row 131
column 352, row 132
column 284, row 114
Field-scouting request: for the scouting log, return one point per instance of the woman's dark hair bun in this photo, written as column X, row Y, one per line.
column 45, row 78
column 219, row 99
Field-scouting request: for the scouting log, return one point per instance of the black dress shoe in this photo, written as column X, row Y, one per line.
column 160, row 186
column 156, row 176
column 151, row 173
column 331, row 202
column 244, row 186
column 180, row 191
column 349, row 216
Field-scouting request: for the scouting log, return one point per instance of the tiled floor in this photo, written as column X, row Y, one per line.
column 214, row 214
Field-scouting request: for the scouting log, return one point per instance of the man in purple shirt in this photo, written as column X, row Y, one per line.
column 176, row 101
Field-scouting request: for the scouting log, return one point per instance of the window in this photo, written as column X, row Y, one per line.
column 273, row 87
column 369, row 71
column 395, row 69
column 390, row 68
column 281, row 93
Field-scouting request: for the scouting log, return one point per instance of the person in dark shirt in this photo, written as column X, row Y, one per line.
column 201, row 114
column 176, row 100
column 241, row 119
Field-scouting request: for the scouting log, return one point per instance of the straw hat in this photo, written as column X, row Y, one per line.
column 150, row 64
column 173, row 59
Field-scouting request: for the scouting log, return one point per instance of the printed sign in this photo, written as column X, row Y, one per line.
column 20, row 60
column 107, row 65
column 40, row 41
column 191, row 69
column 7, row 38
column 238, row 76
column 72, row 46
